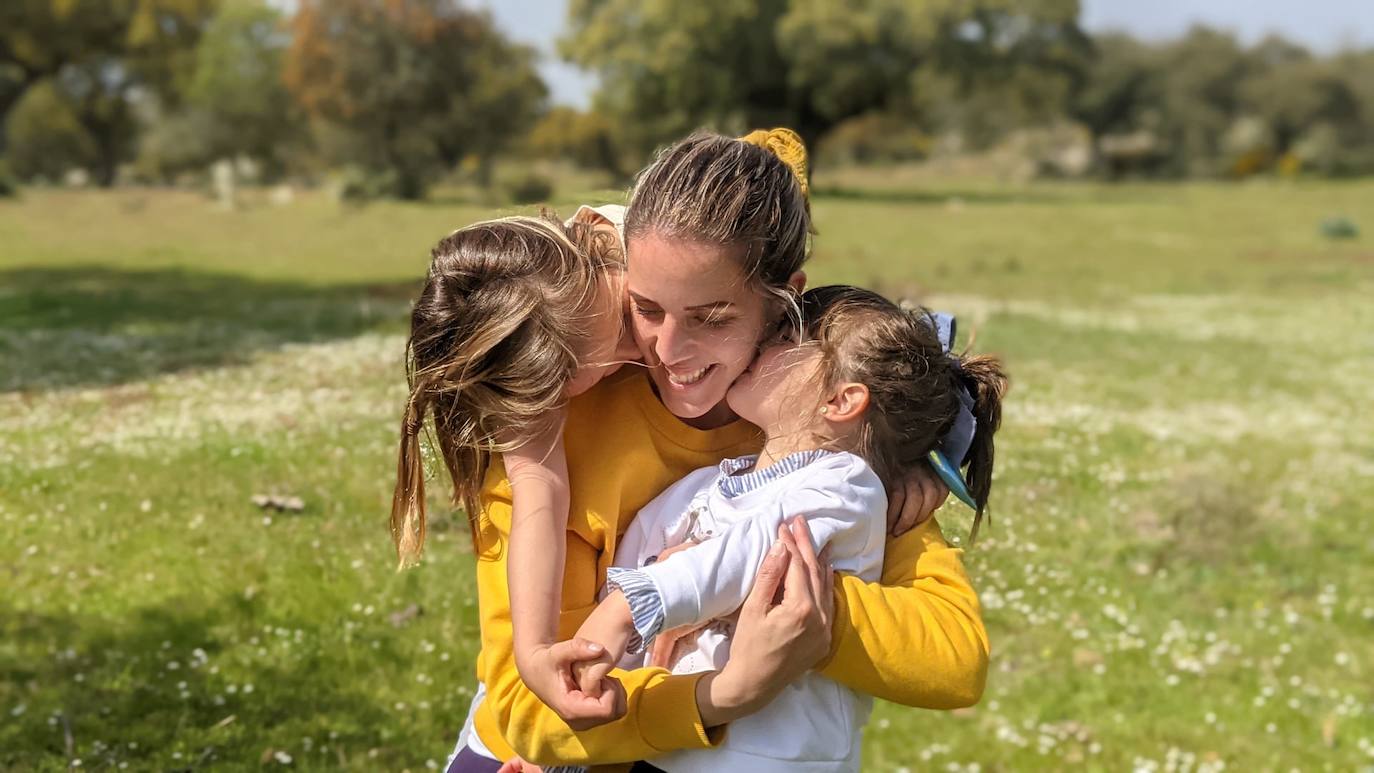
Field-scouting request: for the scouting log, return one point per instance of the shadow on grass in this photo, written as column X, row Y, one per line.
column 182, row 687
column 97, row 326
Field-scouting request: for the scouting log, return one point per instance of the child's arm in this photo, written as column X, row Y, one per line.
column 842, row 502
column 538, row 475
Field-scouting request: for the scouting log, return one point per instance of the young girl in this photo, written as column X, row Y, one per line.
column 517, row 315
column 869, row 392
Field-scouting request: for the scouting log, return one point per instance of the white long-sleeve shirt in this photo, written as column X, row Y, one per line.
column 815, row 724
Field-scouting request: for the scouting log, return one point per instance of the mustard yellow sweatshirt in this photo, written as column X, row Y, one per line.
column 916, row 638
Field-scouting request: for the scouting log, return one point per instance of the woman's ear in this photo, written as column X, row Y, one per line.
column 797, row 281
column 847, row 403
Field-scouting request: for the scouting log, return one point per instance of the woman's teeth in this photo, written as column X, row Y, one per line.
column 687, row 379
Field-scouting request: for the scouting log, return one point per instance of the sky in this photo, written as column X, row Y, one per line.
column 1323, row 25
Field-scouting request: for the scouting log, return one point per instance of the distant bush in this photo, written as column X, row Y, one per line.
column 179, row 144
column 588, row 139
column 9, row 187
column 874, row 138
column 357, row 185
column 529, row 188
column 45, row 137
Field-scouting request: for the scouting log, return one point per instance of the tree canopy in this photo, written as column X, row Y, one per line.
column 410, row 87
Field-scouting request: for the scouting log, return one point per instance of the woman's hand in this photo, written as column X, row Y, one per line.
column 783, row 630
column 914, row 499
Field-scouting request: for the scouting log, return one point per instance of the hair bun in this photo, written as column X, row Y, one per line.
column 788, row 146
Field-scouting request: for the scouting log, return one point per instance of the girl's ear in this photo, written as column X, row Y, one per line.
column 847, row 403
column 797, row 281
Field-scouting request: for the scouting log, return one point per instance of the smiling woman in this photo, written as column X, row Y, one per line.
column 696, row 320
column 716, row 232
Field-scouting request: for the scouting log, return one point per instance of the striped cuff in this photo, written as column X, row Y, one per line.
column 646, row 605
column 566, row 769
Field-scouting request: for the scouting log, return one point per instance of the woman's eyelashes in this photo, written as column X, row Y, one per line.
column 713, row 320
column 648, row 313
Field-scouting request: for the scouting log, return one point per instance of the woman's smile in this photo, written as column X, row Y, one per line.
column 685, row 379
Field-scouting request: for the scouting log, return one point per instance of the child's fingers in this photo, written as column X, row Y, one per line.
column 609, row 706
column 565, row 655
column 675, row 549
column 592, row 678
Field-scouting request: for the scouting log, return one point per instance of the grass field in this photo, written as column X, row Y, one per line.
column 1179, row 574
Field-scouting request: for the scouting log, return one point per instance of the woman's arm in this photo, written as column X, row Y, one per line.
column 917, row 638
column 783, row 630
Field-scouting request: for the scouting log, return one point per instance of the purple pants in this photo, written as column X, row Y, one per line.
column 469, row 761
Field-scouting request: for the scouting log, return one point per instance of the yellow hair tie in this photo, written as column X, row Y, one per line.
column 786, row 145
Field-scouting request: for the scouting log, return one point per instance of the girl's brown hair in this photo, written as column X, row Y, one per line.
column 745, row 194
column 493, row 344
column 912, row 383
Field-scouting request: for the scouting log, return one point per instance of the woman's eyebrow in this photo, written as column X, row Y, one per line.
column 713, row 306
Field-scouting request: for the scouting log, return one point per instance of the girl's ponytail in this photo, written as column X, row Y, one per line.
column 408, row 501
column 987, row 382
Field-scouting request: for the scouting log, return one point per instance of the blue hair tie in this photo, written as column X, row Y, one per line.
column 950, row 455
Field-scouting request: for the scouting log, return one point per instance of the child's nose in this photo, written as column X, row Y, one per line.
column 627, row 350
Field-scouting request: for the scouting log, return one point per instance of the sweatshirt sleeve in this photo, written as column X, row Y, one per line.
column 661, row 711
column 917, row 637
column 841, row 499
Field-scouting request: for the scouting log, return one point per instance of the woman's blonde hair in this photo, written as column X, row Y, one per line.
column 494, row 341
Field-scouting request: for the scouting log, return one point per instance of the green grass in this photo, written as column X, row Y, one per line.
column 1177, row 575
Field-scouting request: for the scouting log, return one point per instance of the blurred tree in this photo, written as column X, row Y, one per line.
column 408, row 88
column 1171, row 107
column 238, row 85
column 1356, row 69
column 1298, row 92
column 588, row 139
column 98, row 56
column 46, row 137
column 1116, row 94
column 1199, row 96
column 669, row 66
column 873, row 138
column 1001, row 65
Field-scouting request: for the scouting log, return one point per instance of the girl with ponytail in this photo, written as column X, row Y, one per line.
column 516, row 316
column 868, row 392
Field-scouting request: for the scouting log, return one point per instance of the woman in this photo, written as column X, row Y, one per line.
column 716, row 232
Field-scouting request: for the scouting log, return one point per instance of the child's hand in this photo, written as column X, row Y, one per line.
column 592, row 677
column 554, row 676
column 664, row 652
column 517, row 765
column 678, row 548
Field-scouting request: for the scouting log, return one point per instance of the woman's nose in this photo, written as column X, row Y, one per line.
column 671, row 343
